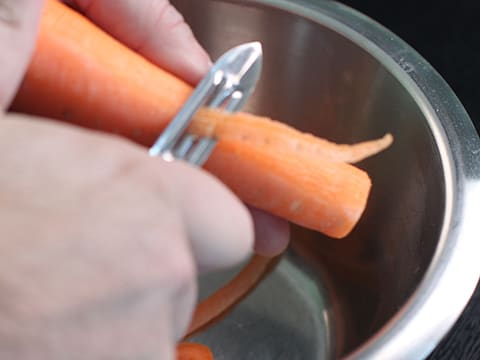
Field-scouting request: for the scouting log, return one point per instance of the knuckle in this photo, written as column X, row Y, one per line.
column 181, row 271
column 169, row 17
column 183, row 287
column 8, row 15
column 164, row 18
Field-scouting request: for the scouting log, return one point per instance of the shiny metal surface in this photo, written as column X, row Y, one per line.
column 395, row 286
column 228, row 85
column 255, row 330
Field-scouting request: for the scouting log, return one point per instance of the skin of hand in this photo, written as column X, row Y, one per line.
column 101, row 245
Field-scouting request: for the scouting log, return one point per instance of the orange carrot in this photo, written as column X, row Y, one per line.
column 193, row 351
column 82, row 75
column 267, row 133
column 314, row 193
column 218, row 305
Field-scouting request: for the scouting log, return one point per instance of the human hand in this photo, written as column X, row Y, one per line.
column 101, row 244
column 157, row 31
column 98, row 279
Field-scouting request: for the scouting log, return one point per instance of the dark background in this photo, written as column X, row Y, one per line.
column 447, row 35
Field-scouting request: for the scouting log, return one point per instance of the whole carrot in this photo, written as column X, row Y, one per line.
column 82, row 75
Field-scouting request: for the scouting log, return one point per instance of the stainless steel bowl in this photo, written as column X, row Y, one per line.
column 395, row 286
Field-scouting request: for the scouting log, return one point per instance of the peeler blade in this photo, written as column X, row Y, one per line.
column 234, row 75
column 242, row 66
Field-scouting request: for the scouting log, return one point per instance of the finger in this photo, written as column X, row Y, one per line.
column 272, row 234
column 119, row 233
column 155, row 29
column 219, row 225
column 18, row 27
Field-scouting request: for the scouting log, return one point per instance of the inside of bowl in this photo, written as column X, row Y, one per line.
column 322, row 82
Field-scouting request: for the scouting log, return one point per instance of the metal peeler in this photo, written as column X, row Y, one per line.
column 228, row 85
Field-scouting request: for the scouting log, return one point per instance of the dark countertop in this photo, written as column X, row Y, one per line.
column 446, row 34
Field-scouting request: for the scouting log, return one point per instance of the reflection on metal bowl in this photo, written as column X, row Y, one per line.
column 395, row 286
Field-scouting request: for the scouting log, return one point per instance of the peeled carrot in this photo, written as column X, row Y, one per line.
column 328, row 196
column 82, row 75
column 193, row 351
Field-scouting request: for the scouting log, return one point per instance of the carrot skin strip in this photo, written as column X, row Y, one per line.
column 262, row 131
column 216, row 306
column 193, row 351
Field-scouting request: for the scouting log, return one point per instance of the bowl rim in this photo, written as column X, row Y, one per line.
column 451, row 278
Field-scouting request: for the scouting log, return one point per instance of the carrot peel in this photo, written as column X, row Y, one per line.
column 224, row 299
column 193, row 351
column 263, row 132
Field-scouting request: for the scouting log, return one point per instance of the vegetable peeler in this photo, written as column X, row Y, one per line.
column 227, row 86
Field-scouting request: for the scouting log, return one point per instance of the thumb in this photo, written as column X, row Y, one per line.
column 18, row 27
column 153, row 28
